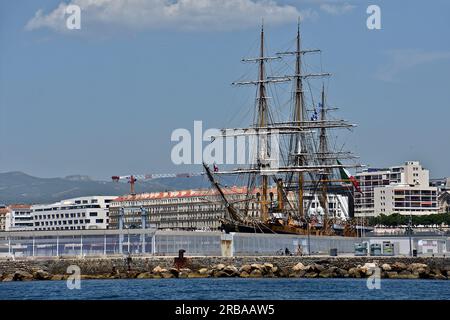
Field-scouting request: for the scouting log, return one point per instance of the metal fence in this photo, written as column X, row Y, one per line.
column 271, row 244
column 107, row 242
column 82, row 243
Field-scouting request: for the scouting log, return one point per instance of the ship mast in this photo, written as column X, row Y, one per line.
column 323, row 151
column 299, row 116
column 262, row 123
column 303, row 157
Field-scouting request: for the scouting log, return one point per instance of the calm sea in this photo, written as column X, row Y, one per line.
column 231, row 288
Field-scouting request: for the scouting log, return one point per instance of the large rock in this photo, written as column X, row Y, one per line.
column 368, row 268
column 268, row 267
column 256, row 273
column 421, row 270
column 145, row 275
column 158, row 269
column 299, row 266
column 416, row 266
column 246, row 267
column 41, row 275
column 354, row 272
column 341, row 273
column 257, row 266
column 439, row 276
column 311, row 275
column 197, row 275
column 174, row 271
column 8, row 277
column 21, row 275
column 58, row 277
column 279, row 272
column 317, row 267
column 298, row 274
column 386, row 267
column 221, row 274
column 167, row 275
column 244, row 274
column 399, row 266
column 328, row 273
column 203, row 271
column 231, row 270
column 219, row 267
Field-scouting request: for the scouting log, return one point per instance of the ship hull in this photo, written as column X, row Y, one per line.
column 279, row 229
column 262, row 228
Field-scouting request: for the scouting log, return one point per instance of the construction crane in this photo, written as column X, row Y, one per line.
column 132, row 179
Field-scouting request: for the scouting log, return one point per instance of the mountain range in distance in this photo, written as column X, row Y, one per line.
column 19, row 187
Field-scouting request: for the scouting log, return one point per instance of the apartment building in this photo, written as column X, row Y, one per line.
column 18, row 218
column 401, row 189
column 82, row 213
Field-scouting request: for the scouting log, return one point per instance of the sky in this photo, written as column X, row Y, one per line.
column 103, row 100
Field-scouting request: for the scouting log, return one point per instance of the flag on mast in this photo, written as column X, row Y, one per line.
column 346, row 175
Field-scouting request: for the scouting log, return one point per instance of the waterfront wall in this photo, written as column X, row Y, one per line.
column 270, row 266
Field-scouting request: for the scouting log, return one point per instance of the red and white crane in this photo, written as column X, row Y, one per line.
column 131, row 179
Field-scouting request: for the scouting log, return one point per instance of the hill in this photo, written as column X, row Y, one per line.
column 19, row 187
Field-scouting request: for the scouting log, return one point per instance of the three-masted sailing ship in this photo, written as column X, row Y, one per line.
column 308, row 166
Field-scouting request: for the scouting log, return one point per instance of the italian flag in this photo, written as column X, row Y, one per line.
column 345, row 175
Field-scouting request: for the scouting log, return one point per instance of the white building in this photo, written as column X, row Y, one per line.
column 401, row 189
column 73, row 214
column 18, row 218
column 337, row 205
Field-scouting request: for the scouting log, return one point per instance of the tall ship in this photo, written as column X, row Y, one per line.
column 294, row 161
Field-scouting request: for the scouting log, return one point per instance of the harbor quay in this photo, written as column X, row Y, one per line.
column 149, row 253
column 152, row 267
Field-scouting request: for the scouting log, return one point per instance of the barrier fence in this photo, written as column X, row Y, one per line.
column 151, row 242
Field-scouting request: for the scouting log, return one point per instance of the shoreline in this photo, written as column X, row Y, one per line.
column 157, row 267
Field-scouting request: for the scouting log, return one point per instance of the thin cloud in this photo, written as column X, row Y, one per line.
column 336, row 9
column 402, row 60
column 171, row 14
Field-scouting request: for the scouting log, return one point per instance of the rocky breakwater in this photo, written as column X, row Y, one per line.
column 242, row 267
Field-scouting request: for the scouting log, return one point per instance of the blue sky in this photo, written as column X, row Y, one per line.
column 105, row 99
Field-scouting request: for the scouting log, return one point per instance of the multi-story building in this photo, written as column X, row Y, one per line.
column 185, row 210
column 73, row 214
column 201, row 209
column 19, row 218
column 443, row 184
column 401, row 189
column 3, row 212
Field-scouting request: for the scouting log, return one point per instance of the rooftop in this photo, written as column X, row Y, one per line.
column 184, row 194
